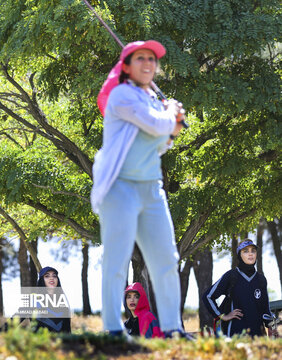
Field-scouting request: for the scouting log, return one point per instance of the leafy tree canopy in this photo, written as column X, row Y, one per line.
column 223, row 62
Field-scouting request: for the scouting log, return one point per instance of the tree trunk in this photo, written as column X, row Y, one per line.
column 23, row 238
column 1, row 271
column 203, row 267
column 138, row 265
column 184, row 282
column 234, row 245
column 33, row 271
column 24, row 266
column 276, row 240
column 141, row 274
column 260, row 230
column 150, row 292
column 84, row 279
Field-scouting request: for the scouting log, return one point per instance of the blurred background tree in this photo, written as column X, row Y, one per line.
column 223, row 62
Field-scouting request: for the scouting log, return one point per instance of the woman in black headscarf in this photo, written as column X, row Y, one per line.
column 48, row 277
column 246, row 298
column 56, row 316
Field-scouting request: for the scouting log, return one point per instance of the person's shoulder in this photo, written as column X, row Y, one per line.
column 261, row 275
column 234, row 275
column 152, row 315
column 120, row 87
column 129, row 91
column 147, row 314
column 130, row 319
column 126, row 322
column 124, row 89
column 262, row 279
column 234, row 272
column 123, row 94
column 230, row 273
column 229, row 278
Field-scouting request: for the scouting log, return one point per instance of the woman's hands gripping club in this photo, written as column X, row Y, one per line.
column 176, row 108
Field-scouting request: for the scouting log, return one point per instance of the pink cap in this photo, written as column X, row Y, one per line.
column 153, row 45
column 113, row 77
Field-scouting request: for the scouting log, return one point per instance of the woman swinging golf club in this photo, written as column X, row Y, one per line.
column 127, row 192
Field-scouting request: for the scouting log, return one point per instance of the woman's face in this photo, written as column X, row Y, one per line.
column 132, row 299
column 142, row 67
column 249, row 255
column 50, row 279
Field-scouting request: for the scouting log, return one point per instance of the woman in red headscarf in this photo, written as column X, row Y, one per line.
column 142, row 322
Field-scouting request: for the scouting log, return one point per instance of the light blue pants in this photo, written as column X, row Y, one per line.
column 138, row 211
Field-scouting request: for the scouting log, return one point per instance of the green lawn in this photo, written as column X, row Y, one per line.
column 21, row 344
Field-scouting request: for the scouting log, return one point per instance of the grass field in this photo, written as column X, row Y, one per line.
column 89, row 342
column 93, row 323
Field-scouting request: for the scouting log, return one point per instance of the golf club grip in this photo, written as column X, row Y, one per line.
column 163, row 97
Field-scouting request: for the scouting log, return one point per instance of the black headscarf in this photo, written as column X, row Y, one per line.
column 40, row 281
column 248, row 269
column 53, row 324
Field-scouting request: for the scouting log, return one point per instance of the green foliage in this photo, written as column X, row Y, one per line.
column 23, row 344
column 223, row 62
column 37, row 176
column 43, row 345
column 26, row 345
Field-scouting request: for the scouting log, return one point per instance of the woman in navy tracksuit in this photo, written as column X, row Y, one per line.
column 248, row 293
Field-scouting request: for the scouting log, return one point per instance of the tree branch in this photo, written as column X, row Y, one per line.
column 11, row 138
column 31, row 81
column 66, row 145
column 185, row 243
column 8, row 98
column 22, row 237
column 202, row 138
column 57, row 192
column 205, row 239
column 57, row 142
column 212, row 66
column 268, row 155
column 6, row 95
column 61, row 217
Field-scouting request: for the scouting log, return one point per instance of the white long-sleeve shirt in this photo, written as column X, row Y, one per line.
column 129, row 109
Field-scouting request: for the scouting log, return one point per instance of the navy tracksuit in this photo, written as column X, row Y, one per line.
column 248, row 294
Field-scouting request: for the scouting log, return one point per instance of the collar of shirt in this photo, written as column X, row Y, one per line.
column 149, row 91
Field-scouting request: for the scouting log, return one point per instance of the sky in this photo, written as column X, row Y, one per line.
column 70, row 277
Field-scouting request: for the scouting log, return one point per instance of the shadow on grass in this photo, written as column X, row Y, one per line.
column 89, row 344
